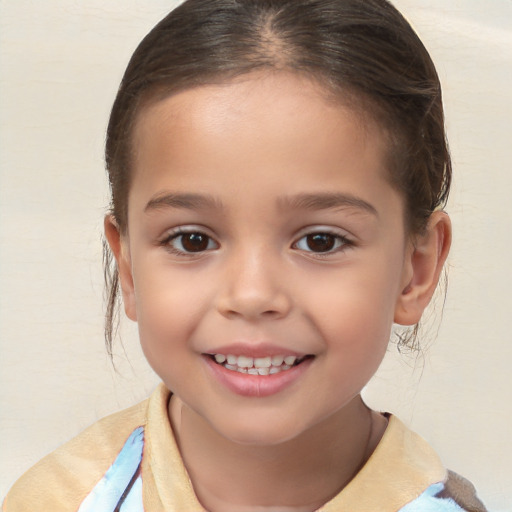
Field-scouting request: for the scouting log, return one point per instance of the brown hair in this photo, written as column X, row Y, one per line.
column 361, row 48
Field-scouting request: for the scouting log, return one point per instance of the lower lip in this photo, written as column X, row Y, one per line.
column 257, row 385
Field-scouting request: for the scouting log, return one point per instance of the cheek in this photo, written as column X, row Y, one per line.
column 354, row 314
column 358, row 332
column 169, row 307
column 165, row 326
column 356, row 298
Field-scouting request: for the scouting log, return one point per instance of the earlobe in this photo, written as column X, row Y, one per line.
column 422, row 268
column 118, row 246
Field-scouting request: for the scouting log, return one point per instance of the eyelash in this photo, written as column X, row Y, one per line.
column 339, row 243
column 179, row 234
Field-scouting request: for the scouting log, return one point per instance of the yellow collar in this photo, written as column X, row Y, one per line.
column 400, row 469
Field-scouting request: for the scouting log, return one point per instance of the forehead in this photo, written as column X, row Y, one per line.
column 269, row 126
column 284, row 102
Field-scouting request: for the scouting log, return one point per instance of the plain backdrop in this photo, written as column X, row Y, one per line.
column 60, row 65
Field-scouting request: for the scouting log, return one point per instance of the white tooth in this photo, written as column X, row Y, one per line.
column 245, row 362
column 289, row 360
column 277, row 360
column 232, row 359
column 220, row 358
column 263, row 362
column 231, row 367
column 285, row 367
column 252, row 371
column 263, row 371
column 274, row 369
column 241, row 370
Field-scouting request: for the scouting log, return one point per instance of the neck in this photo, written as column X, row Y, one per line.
column 297, row 475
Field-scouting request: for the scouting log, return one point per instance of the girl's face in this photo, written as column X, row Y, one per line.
column 261, row 225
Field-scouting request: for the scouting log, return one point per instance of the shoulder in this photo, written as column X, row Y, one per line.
column 452, row 493
column 405, row 474
column 62, row 479
column 456, row 494
column 463, row 492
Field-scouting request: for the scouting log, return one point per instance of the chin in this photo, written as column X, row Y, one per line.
column 270, row 432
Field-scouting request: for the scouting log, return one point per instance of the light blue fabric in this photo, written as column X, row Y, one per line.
column 428, row 502
column 107, row 493
column 133, row 501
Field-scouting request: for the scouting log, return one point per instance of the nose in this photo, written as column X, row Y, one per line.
column 254, row 287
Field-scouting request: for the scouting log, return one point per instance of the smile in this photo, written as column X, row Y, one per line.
column 269, row 365
column 260, row 374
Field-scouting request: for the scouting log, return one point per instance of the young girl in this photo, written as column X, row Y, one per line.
column 278, row 170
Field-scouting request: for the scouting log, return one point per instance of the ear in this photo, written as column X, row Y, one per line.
column 422, row 267
column 119, row 246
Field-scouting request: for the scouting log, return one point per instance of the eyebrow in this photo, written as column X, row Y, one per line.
column 326, row 201
column 318, row 201
column 186, row 201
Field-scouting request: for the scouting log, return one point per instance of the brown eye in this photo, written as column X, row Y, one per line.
column 192, row 242
column 321, row 243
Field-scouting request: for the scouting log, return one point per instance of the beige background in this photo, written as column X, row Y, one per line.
column 60, row 64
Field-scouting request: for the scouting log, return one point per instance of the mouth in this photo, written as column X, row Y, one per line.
column 268, row 365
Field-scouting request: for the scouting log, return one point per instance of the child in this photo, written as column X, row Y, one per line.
column 278, row 169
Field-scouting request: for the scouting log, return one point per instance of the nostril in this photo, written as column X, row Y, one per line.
column 258, row 297
column 270, row 312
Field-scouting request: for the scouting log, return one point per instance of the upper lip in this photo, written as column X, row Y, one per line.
column 255, row 350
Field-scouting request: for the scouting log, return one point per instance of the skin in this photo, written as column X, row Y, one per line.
column 255, row 148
